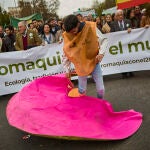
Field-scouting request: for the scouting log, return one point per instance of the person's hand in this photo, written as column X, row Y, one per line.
column 60, row 41
column 43, row 44
column 129, row 30
column 68, row 75
column 147, row 26
column 99, row 58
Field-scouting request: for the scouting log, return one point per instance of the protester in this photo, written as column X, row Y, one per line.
column 85, row 18
column 15, row 31
column 90, row 17
column 103, row 19
column 59, row 36
column 143, row 11
column 121, row 24
column 107, row 26
column 0, row 44
column 1, row 37
column 98, row 23
column 54, row 27
column 46, row 36
column 40, row 23
column 145, row 21
column 9, row 39
column 25, row 38
column 31, row 27
column 81, row 44
column 138, row 14
column 1, row 32
column 80, row 17
column 37, row 27
column 131, row 16
column 59, row 23
column 113, row 16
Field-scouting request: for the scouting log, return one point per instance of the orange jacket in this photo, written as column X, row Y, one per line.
column 81, row 49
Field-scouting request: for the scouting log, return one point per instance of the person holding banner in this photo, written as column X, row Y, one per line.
column 145, row 21
column 122, row 24
column 25, row 38
column 106, row 28
column 46, row 36
column 84, row 46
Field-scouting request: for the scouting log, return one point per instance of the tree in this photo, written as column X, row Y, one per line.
column 44, row 7
column 53, row 6
column 40, row 6
column 25, row 8
column 98, row 7
column 109, row 4
column 4, row 17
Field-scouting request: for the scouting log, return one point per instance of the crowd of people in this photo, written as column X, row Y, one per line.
column 121, row 20
column 40, row 33
column 30, row 35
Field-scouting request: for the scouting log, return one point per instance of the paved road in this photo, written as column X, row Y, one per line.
column 123, row 94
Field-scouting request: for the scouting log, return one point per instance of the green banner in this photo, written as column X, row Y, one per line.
column 14, row 21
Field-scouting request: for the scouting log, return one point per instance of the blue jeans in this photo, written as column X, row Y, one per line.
column 98, row 78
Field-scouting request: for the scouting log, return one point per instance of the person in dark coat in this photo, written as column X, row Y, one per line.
column 9, row 40
column 131, row 16
column 121, row 24
column 26, row 38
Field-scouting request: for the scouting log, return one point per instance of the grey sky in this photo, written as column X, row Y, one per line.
column 66, row 6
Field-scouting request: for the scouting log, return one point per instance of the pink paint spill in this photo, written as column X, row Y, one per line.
column 43, row 108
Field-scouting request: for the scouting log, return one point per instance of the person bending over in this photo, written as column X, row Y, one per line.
column 84, row 46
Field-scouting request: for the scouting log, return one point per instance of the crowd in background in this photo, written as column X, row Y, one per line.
column 41, row 33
